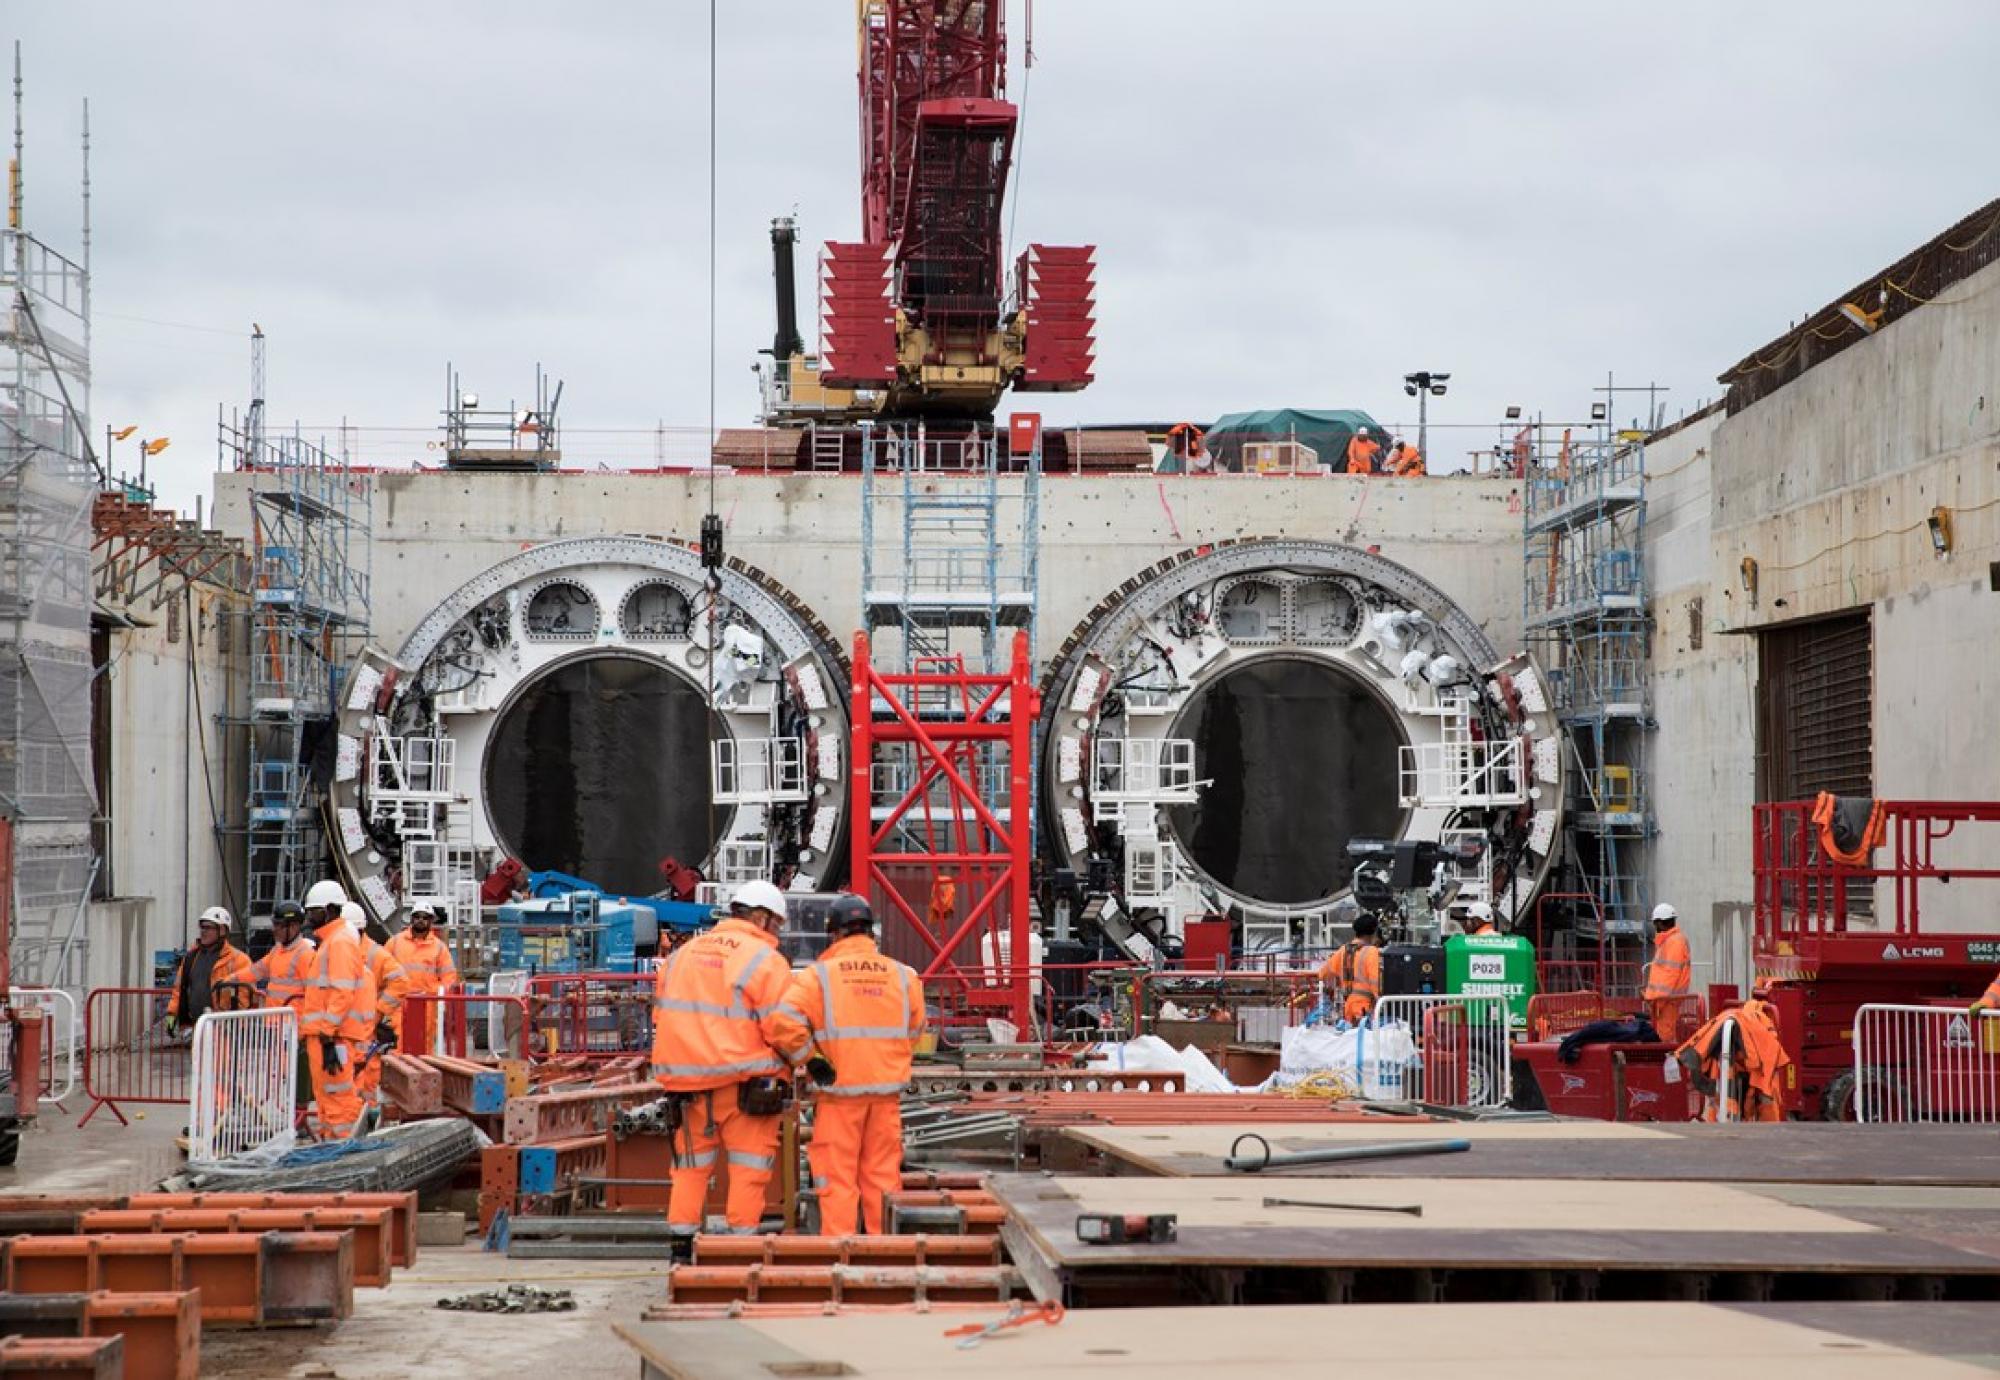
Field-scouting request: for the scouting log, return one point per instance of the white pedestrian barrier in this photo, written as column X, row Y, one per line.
column 62, row 1037
column 245, row 1091
column 1461, row 1057
column 1725, row 1075
column 1926, row 1064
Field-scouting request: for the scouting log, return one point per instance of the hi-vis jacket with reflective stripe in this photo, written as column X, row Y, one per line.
column 392, row 983
column 713, row 1006
column 1669, row 974
column 427, row 961
column 864, row 1011
column 284, row 972
column 340, row 994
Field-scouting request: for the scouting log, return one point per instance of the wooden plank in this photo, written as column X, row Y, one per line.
column 1243, row 1235
column 1808, row 1152
column 1637, row 1341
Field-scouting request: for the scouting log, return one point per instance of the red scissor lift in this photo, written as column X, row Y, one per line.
column 1833, row 936
column 952, row 718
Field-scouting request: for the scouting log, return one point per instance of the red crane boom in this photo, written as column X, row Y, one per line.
column 921, row 307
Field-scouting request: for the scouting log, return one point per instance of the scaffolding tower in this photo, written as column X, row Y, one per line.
column 950, row 540
column 48, row 482
column 310, row 559
column 950, row 559
column 1585, row 606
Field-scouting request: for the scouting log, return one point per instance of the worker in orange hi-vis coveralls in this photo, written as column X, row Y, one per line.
column 339, row 1015
column 392, row 984
column 714, row 1009
column 864, row 1012
column 944, row 902
column 425, row 958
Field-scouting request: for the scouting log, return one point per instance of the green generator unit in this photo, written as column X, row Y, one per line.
column 1501, row 964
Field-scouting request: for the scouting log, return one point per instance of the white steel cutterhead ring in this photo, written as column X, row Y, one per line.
column 594, row 705
column 1218, row 729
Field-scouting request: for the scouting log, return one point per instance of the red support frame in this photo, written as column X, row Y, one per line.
column 994, row 855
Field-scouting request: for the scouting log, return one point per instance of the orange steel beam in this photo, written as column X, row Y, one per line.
column 370, row 1227
column 402, row 1208
column 252, row 1280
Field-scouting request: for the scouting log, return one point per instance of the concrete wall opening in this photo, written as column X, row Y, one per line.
column 1815, row 708
column 1302, row 757
column 599, row 767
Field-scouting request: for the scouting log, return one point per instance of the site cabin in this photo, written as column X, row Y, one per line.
column 1830, row 938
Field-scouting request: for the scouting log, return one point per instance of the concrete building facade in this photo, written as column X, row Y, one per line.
column 1813, row 504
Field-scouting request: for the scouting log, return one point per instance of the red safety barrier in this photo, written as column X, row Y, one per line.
column 440, row 1023
column 129, row 1057
column 596, row 1016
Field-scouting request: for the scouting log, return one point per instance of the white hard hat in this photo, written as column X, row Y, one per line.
column 219, row 917
column 759, row 895
column 1479, row 911
column 327, row 893
column 352, row 912
column 1663, row 911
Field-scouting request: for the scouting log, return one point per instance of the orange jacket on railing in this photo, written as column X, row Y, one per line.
column 863, row 1010
column 1990, row 1001
column 715, row 1006
column 1756, row 1055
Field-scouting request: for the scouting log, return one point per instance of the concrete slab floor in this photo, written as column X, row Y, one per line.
column 395, row 1332
column 58, row 1156
column 400, row 1332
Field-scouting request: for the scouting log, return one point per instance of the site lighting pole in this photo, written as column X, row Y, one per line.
column 1423, row 385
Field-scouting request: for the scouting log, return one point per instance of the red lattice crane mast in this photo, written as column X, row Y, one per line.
column 923, row 308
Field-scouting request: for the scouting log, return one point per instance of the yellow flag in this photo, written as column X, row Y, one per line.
column 122, row 434
column 155, row 447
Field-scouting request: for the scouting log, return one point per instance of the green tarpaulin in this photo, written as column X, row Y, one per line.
column 1326, row 432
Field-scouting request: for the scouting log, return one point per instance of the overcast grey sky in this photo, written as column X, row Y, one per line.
column 1293, row 202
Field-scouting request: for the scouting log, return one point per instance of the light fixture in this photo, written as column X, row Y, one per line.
column 1437, row 390
column 1866, row 320
column 1411, row 389
column 468, row 400
column 1749, row 571
column 1599, row 411
column 1940, row 524
column 1513, row 412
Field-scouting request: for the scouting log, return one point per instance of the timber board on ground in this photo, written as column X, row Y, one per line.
column 1789, row 1152
column 1634, row 1341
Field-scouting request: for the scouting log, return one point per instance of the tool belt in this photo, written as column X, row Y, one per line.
column 764, row 1096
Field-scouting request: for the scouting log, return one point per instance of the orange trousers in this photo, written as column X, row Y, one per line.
column 335, row 1094
column 714, row 1126
column 857, row 1156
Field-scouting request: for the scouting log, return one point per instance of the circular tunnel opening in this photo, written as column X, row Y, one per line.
column 1302, row 757
column 598, row 767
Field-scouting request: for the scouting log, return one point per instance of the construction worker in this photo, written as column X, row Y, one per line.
column 281, row 974
column 1669, row 975
column 392, row 985
column 861, row 1012
column 715, row 1007
column 1479, row 919
column 1406, row 461
column 211, row 964
column 1754, row 1087
column 339, row 1016
column 1352, row 974
column 943, row 907
column 424, row 957
column 1361, row 452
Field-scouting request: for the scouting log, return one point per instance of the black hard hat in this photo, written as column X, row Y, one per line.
column 288, row 913
column 849, row 913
